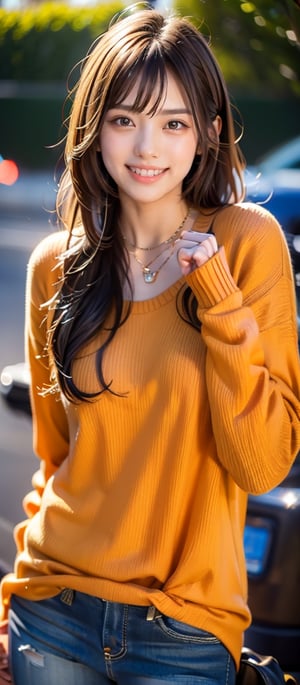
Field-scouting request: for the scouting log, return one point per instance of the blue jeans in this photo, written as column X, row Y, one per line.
column 76, row 639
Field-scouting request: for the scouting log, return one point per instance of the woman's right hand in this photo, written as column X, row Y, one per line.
column 198, row 249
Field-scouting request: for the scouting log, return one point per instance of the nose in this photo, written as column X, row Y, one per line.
column 146, row 141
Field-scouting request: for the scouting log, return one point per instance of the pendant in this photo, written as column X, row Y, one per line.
column 149, row 276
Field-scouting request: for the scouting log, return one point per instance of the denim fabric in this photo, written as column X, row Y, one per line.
column 76, row 639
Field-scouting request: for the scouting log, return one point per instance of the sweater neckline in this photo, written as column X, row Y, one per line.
column 153, row 303
column 203, row 224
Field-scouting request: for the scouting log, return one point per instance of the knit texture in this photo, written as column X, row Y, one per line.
column 141, row 497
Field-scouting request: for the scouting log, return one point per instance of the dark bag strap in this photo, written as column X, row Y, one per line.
column 256, row 669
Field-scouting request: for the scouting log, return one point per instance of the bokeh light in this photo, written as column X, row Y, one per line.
column 9, row 172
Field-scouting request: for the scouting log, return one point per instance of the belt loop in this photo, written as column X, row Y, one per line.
column 67, row 596
column 152, row 614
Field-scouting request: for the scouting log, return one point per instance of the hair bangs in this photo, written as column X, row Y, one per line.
column 150, row 74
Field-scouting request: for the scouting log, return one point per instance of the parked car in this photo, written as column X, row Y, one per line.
column 274, row 182
column 273, row 563
column 285, row 156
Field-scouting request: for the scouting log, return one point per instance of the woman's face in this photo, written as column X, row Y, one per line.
column 149, row 156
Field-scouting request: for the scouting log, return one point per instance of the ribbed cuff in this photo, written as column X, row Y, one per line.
column 211, row 283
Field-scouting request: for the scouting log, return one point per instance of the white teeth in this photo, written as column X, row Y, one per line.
column 146, row 172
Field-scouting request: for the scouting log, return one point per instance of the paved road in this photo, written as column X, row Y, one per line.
column 23, row 223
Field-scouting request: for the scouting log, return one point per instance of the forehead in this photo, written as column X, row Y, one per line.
column 171, row 97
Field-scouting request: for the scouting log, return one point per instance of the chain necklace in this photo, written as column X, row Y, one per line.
column 169, row 240
column 150, row 275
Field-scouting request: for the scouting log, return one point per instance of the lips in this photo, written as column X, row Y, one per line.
column 147, row 173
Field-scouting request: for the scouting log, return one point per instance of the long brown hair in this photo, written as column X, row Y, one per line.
column 140, row 46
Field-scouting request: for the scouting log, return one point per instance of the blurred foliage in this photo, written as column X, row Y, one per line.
column 43, row 42
column 257, row 43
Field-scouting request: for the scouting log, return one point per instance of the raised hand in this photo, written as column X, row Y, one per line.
column 196, row 249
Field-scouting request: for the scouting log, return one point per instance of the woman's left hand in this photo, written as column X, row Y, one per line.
column 197, row 249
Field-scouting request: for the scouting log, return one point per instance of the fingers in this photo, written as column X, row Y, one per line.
column 198, row 248
column 208, row 247
column 207, row 240
column 195, row 236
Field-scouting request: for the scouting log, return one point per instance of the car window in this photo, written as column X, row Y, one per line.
column 286, row 156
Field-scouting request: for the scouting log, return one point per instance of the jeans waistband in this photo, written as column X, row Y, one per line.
column 151, row 613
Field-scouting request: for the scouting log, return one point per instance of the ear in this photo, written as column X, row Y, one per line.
column 217, row 124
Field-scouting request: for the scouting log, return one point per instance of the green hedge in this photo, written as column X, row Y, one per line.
column 255, row 42
column 31, row 129
column 44, row 42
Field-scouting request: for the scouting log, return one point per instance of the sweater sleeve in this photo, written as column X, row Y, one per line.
column 247, row 308
column 50, row 427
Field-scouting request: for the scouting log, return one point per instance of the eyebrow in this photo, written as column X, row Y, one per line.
column 182, row 110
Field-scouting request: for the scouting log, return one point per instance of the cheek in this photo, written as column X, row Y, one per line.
column 106, row 140
column 185, row 157
column 109, row 153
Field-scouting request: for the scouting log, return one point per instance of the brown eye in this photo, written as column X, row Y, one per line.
column 123, row 121
column 175, row 125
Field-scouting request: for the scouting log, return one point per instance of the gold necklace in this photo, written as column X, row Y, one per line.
column 151, row 276
column 169, row 240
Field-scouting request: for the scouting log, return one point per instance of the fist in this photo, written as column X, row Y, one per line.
column 197, row 248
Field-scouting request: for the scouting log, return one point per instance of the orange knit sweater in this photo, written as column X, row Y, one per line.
column 141, row 497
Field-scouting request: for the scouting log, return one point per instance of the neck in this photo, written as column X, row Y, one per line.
column 148, row 228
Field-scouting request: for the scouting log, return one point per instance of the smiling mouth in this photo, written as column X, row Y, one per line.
column 146, row 172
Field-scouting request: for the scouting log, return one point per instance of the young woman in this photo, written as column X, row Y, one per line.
column 161, row 336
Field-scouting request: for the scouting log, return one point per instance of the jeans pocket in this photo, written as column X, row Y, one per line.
column 185, row 632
